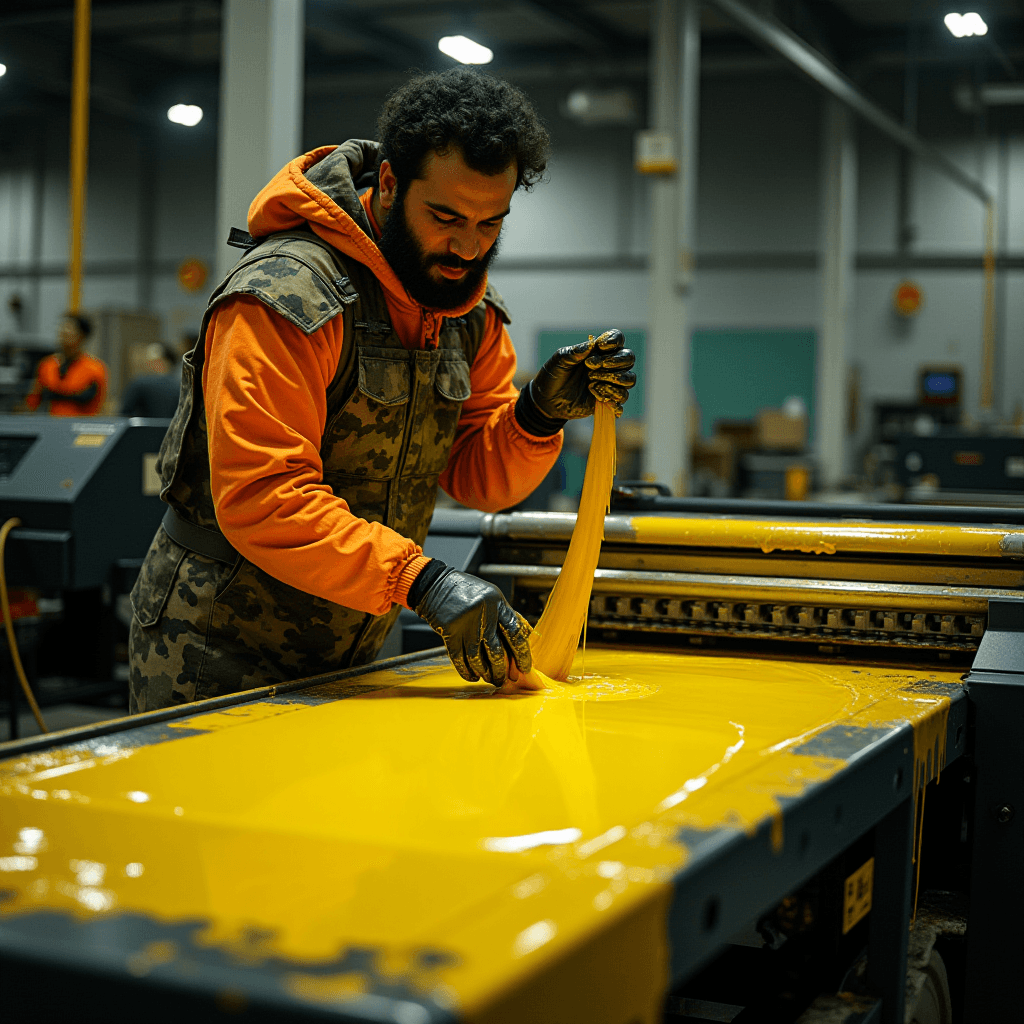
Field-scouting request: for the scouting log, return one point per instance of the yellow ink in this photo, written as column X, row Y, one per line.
column 557, row 636
column 824, row 538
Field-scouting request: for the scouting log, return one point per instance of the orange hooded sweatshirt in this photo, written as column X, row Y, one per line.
column 265, row 384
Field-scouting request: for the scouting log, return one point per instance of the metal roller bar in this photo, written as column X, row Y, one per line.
column 821, row 538
column 788, row 45
column 626, row 498
column 764, row 589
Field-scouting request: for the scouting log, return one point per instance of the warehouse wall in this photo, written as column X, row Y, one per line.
column 573, row 252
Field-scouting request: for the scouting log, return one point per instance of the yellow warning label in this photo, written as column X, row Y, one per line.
column 90, row 440
column 857, row 894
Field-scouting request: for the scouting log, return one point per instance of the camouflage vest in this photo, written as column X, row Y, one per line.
column 391, row 420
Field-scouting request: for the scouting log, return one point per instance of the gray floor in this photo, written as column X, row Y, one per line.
column 60, row 716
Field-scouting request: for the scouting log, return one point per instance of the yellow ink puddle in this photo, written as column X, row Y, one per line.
column 372, row 820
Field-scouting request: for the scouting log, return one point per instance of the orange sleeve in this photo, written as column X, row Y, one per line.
column 265, row 383
column 494, row 464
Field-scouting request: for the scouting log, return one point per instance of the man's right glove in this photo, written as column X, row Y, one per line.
column 568, row 385
column 478, row 626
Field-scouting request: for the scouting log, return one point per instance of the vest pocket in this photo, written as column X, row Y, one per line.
column 452, row 379
column 384, row 380
column 436, row 415
column 364, row 439
column 157, row 576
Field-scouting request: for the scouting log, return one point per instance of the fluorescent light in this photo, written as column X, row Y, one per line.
column 186, row 114
column 3, row 70
column 970, row 24
column 975, row 23
column 464, row 50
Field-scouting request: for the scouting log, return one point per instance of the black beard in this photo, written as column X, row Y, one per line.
column 412, row 265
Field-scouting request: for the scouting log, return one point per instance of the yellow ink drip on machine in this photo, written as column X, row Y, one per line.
column 557, row 635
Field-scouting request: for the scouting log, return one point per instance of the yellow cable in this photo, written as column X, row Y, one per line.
column 9, row 626
column 78, row 174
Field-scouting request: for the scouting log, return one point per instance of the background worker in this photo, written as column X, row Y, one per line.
column 72, row 381
column 351, row 363
column 154, row 393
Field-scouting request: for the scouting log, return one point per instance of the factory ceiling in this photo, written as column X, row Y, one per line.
column 144, row 51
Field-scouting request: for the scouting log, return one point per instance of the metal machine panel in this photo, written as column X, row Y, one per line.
column 85, row 492
column 963, row 462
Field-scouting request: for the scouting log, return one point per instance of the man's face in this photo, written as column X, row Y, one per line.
column 441, row 231
column 70, row 338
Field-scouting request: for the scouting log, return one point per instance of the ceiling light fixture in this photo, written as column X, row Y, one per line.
column 970, row 24
column 3, row 70
column 186, row 114
column 464, row 50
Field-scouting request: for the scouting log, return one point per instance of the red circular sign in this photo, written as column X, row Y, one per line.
column 192, row 274
column 907, row 298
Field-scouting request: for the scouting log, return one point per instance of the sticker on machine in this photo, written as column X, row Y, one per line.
column 857, row 894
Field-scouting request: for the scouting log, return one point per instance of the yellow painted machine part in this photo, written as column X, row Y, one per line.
column 401, row 819
column 828, row 538
column 79, row 150
column 557, row 634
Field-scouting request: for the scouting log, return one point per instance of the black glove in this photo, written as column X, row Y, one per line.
column 474, row 620
column 568, row 384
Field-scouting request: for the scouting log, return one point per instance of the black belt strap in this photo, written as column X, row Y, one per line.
column 211, row 543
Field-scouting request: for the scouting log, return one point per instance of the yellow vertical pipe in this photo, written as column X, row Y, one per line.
column 988, row 328
column 79, row 148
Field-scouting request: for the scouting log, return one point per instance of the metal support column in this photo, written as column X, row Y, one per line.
column 995, row 941
column 838, row 268
column 260, row 106
column 674, row 111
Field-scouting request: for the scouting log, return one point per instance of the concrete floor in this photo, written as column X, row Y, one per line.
column 60, row 716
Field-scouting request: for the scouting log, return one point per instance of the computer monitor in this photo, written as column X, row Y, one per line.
column 939, row 385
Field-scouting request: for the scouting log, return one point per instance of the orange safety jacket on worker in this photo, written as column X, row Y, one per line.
column 281, row 520
column 312, row 440
column 73, row 388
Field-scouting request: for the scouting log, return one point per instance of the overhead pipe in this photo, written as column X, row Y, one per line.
column 790, row 46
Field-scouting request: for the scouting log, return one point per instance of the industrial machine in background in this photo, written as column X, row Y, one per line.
column 925, row 453
column 86, row 493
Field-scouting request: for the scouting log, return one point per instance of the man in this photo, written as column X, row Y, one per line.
column 74, row 383
column 352, row 361
column 154, row 393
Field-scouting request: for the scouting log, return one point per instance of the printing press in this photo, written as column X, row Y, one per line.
column 786, row 780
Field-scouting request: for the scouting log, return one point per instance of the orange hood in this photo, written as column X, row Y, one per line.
column 320, row 189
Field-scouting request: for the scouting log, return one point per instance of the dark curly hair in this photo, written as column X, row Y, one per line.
column 490, row 122
column 84, row 324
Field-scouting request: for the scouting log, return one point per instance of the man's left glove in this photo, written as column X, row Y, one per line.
column 569, row 383
column 478, row 626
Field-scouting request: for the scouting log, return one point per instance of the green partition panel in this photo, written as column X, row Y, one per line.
column 736, row 373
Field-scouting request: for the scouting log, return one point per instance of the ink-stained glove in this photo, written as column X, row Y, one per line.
column 569, row 383
column 478, row 626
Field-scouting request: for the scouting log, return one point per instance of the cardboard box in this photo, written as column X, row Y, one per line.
column 779, row 432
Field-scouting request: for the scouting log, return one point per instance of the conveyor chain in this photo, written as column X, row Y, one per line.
column 767, row 620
